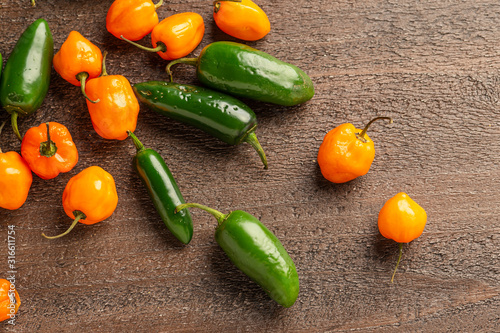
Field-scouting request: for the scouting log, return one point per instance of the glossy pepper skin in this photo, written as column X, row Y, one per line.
column 346, row 153
column 220, row 115
column 163, row 190
column 242, row 19
column 176, row 36
column 243, row 71
column 15, row 180
column 49, row 150
column 117, row 109
column 26, row 76
column 133, row 19
column 257, row 252
column 402, row 220
column 78, row 60
column 9, row 300
column 89, row 197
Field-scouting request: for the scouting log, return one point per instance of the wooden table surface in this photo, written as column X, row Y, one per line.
column 433, row 66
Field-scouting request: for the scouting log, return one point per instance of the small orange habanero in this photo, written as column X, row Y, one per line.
column 15, row 179
column 346, row 152
column 89, row 197
column 242, row 19
column 176, row 36
column 49, row 150
column 118, row 108
column 402, row 220
column 132, row 19
column 78, row 60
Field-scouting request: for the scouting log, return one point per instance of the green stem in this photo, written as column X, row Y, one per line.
column 1, row 128
column 188, row 61
column 251, row 138
column 78, row 216
column 159, row 4
column 399, row 259
column 138, row 144
column 33, row 3
column 103, row 72
column 160, row 46
column 218, row 215
column 13, row 120
column 361, row 135
column 82, row 77
column 48, row 148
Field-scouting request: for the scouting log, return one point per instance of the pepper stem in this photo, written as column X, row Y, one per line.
column 138, row 144
column 399, row 259
column 218, row 215
column 159, row 4
column 188, row 61
column 13, row 120
column 217, row 4
column 251, row 138
column 82, row 77
column 48, row 148
column 78, row 216
column 361, row 135
column 160, row 46
column 1, row 128
column 103, row 72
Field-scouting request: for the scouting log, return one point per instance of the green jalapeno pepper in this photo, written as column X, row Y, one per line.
column 163, row 190
column 26, row 77
column 240, row 70
column 218, row 114
column 257, row 252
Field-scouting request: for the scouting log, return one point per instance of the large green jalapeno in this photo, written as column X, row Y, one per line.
column 218, row 114
column 243, row 71
column 163, row 190
column 257, row 252
column 26, row 77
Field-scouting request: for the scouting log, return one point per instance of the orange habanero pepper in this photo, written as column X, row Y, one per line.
column 346, row 152
column 133, row 19
column 78, row 60
column 176, row 36
column 9, row 300
column 242, row 19
column 118, row 108
column 15, row 179
column 401, row 219
column 49, row 150
column 89, row 197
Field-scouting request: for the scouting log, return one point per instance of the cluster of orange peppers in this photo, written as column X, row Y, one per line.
column 347, row 153
column 178, row 35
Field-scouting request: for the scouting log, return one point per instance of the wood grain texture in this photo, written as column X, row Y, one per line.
column 434, row 66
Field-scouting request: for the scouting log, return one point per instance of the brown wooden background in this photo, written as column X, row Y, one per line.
column 434, row 66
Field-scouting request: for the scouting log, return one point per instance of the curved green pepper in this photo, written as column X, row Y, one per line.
column 26, row 77
column 240, row 70
column 163, row 190
column 256, row 252
column 218, row 114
